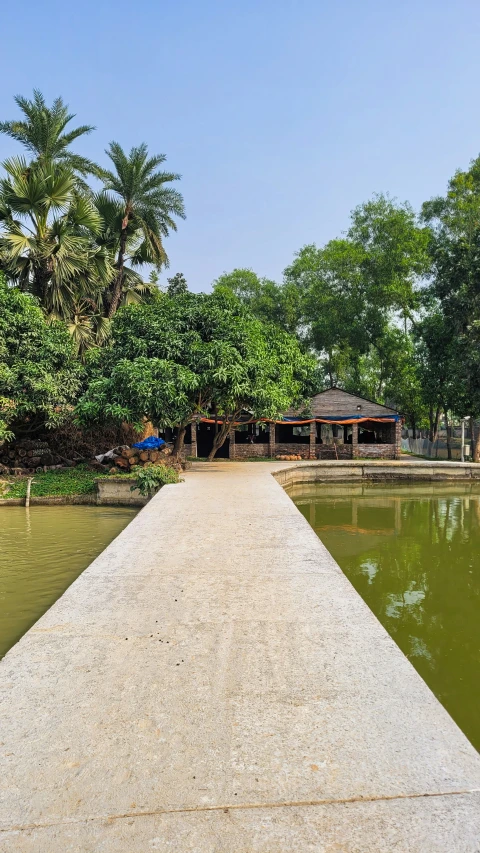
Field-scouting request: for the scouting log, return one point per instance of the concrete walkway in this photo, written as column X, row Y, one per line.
column 213, row 683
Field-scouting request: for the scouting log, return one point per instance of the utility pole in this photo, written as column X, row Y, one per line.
column 462, row 456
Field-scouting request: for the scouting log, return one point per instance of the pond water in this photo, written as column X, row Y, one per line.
column 42, row 550
column 413, row 554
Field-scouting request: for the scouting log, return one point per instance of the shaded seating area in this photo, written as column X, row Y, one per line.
column 336, row 425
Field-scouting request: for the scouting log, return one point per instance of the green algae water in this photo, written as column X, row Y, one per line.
column 42, row 551
column 413, row 554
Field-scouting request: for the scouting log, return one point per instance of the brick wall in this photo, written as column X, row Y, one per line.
column 244, row 450
column 292, row 448
column 322, row 451
column 327, row 451
column 376, row 451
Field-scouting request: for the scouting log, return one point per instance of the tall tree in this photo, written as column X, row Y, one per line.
column 47, row 240
column 396, row 253
column 268, row 301
column 43, row 132
column 148, row 206
column 455, row 284
column 177, row 285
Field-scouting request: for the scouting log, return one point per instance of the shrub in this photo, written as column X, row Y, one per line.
column 153, row 477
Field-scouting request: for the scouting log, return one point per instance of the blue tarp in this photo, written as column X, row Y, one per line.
column 150, row 443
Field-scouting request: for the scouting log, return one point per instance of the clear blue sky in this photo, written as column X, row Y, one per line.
column 281, row 115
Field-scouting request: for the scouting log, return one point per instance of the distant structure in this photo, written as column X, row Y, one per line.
column 339, row 426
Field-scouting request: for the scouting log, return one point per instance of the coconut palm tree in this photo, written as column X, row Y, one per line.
column 146, row 206
column 42, row 132
column 47, row 242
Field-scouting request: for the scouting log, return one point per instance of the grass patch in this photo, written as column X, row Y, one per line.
column 74, row 481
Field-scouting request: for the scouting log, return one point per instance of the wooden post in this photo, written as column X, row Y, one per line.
column 313, row 440
column 29, row 486
column 354, row 440
column 271, row 440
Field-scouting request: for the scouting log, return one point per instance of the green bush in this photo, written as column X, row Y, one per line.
column 152, row 478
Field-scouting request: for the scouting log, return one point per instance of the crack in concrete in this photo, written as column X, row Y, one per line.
column 226, row 807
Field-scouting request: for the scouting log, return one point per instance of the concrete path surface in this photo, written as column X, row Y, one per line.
column 213, row 683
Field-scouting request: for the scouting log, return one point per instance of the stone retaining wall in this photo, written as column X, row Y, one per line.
column 389, row 470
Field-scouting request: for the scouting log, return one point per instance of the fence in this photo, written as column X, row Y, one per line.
column 437, row 450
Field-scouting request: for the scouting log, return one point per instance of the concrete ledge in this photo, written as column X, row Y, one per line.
column 384, row 470
column 213, row 682
column 117, row 491
column 52, row 500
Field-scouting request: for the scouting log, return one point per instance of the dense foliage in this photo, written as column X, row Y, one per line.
column 186, row 356
column 39, row 376
column 392, row 310
column 149, row 480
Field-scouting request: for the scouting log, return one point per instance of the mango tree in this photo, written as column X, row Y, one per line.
column 179, row 358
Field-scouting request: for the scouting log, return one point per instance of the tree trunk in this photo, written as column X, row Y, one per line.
column 117, row 287
column 219, row 439
column 414, row 428
column 179, row 442
column 430, row 423
column 433, row 418
column 329, row 368
column 449, row 435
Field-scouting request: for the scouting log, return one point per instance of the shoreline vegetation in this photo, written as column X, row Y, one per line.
column 82, row 482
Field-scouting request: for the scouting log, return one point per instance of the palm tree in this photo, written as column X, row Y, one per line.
column 47, row 243
column 146, row 207
column 42, row 132
column 88, row 327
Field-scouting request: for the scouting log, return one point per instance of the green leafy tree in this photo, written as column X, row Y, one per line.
column 396, row 254
column 354, row 291
column 39, row 376
column 455, row 289
column 177, row 285
column 43, row 132
column 268, row 301
column 340, row 321
column 179, row 358
column 147, row 206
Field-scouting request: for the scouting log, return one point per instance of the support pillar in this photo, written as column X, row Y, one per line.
column 271, row 440
column 354, row 440
column 193, row 427
column 398, row 440
column 231, row 446
column 313, row 440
